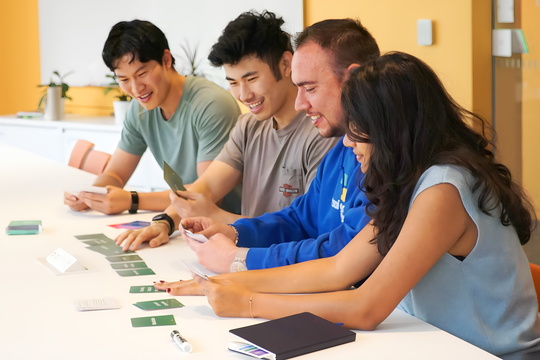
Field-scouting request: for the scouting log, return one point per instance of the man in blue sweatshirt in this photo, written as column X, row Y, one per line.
column 321, row 222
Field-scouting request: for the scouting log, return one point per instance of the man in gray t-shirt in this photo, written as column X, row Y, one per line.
column 273, row 151
column 184, row 121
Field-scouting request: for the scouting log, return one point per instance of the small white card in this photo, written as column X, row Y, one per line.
column 198, row 237
column 62, row 261
column 198, row 269
column 96, row 304
column 92, row 189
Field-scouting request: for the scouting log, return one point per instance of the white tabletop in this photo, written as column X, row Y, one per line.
column 38, row 319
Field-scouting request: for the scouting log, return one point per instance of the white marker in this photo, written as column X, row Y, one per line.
column 180, row 341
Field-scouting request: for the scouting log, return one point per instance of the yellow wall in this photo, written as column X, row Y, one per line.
column 530, row 16
column 19, row 56
column 457, row 54
column 460, row 53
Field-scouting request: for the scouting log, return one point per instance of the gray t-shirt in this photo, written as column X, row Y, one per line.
column 277, row 165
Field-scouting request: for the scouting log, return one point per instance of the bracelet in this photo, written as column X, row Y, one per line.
column 134, row 202
column 235, row 232
column 250, row 305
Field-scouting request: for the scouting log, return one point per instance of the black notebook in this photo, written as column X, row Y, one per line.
column 294, row 335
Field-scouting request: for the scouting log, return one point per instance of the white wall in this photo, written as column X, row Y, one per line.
column 72, row 32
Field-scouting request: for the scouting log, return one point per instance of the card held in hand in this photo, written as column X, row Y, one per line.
column 172, row 178
column 295, row 335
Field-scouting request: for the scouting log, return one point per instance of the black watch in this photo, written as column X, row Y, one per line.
column 166, row 218
column 134, row 202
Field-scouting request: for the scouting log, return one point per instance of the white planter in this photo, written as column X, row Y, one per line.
column 54, row 104
column 120, row 111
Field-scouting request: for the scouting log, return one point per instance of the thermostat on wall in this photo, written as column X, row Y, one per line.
column 424, row 32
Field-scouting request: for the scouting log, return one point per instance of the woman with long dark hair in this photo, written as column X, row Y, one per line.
column 447, row 224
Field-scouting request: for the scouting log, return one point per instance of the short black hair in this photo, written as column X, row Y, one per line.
column 139, row 39
column 252, row 34
column 347, row 40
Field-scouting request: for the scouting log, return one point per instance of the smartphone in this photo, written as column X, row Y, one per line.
column 172, row 178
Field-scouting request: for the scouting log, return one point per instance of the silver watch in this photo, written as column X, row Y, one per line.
column 239, row 262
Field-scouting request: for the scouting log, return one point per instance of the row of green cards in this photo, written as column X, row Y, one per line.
column 125, row 263
column 128, row 263
column 160, row 304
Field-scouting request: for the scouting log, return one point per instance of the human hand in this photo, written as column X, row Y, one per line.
column 74, row 202
column 190, row 204
column 182, row 287
column 207, row 227
column 156, row 235
column 114, row 202
column 227, row 298
column 216, row 254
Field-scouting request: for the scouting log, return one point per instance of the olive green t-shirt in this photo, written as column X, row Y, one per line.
column 196, row 132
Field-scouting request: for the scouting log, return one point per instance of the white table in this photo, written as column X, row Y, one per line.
column 38, row 320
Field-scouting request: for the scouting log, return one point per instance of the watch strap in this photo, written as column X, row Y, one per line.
column 134, row 202
column 167, row 218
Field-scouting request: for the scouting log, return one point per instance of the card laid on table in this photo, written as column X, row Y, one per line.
column 144, row 289
column 93, row 236
column 163, row 320
column 24, row 227
column 122, row 258
column 108, row 249
column 131, row 225
column 129, row 265
column 159, row 304
column 135, row 272
column 94, row 242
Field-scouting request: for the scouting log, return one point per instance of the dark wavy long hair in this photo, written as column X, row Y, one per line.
column 399, row 105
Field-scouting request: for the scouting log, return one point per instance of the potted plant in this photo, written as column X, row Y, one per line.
column 54, row 97
column 120, row 106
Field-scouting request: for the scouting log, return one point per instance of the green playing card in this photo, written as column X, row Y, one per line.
column 123, row 258
column 129, row 265
column 159, row 304
column 163, row 320
column 92, row 236
column 93, row 242
column 108, row 250
column 144, row 289
column 136, row 272
column 172, row 178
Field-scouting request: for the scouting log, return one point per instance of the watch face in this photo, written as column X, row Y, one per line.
column 238, row 266
column 159, row 217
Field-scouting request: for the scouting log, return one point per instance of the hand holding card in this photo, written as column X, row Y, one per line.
column 198, row 237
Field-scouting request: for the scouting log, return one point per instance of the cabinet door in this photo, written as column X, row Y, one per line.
column 45, row 141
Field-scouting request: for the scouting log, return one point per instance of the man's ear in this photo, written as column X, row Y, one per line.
column 166, row 59
column 285, row 64
column 348, row 71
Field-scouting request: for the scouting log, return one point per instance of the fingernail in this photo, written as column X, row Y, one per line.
column 168, row 290
column 161, row 281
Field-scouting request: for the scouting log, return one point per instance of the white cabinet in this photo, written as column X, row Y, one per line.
column 45, row 141
column 55, row 140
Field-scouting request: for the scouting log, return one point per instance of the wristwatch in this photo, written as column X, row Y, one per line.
column 164, row 217
column 239, row 262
